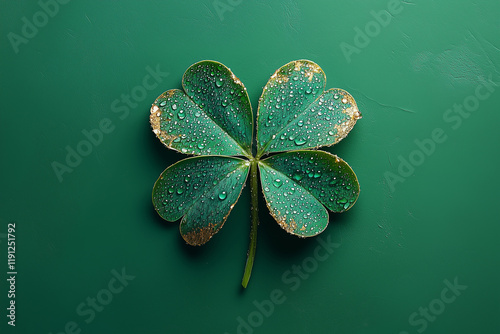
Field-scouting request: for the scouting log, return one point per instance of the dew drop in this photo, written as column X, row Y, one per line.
column 174, row 106
column 300, row 141
column 218, row 83
column 180, row 191
column 298, row 176
column 277, row 183
column 163, row 103
column 222, row 195
column 300, row 123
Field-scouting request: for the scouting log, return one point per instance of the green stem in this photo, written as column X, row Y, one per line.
column 254, row 193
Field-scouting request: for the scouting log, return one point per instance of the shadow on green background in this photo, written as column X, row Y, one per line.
column 418, row 253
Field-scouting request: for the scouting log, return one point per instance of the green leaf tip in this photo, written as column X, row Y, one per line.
column 211, row 118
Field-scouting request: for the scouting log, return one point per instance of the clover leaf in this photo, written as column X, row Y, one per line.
column 212, row 119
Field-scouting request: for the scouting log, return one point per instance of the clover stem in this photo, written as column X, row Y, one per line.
column 254, row 193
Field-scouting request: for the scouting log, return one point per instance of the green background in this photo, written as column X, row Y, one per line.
column 394, row 250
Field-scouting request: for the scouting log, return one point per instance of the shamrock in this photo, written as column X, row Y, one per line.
column 211, row 118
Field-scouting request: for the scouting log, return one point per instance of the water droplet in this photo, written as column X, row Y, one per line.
column 171, row 190
column 222, row 195
column 201, row 146
column 174, row 106
column 277, row 183
column 300, row 141
column 308, row 91
column 218, row 83
column 181, row 114
column 187, row 178
column 266, row 189
column 180, row 191
column 331, row 133
column 346, row 206
column 336, row 96
column 163, row 103
column 197, row 114
column 344, row 100
column 298, row 176
column 300, row 123
column 317, row 175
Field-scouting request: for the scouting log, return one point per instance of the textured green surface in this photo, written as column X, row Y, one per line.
column 373, row 270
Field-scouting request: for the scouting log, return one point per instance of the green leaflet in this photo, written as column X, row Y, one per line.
column 295, row 113
column 298, row 185
column 202, row 190
column 212, row 116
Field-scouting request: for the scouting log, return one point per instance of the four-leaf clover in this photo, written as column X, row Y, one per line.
column 212, row 119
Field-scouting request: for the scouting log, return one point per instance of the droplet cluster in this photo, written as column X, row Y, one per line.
column 223, row 97
column 203, row 190
column 327, row 177
column 294, row 208
column 291, row 88
column 296, row 113
column 182, row 125
column 297, row 185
